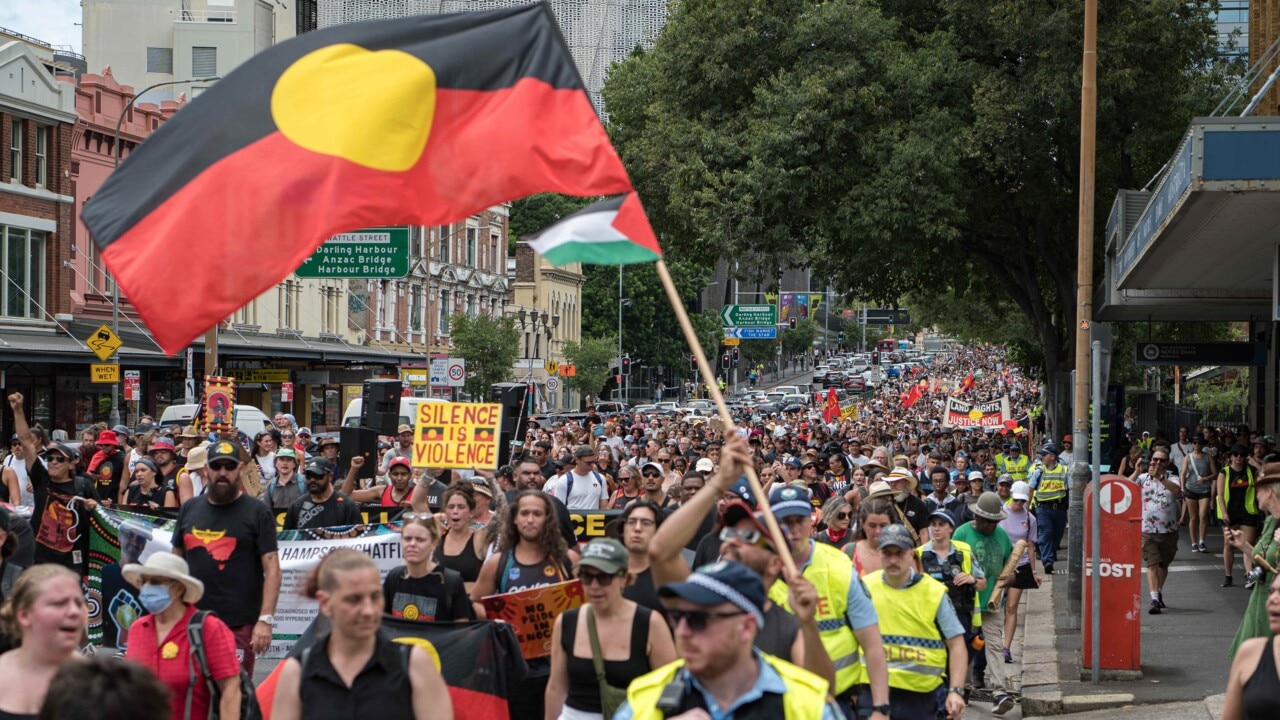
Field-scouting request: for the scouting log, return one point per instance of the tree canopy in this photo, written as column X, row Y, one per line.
column 489, row 345
column 906, row 146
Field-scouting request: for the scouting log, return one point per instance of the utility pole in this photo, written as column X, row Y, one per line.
column 1084, row 291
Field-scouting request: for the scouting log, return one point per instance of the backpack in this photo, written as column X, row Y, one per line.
column 249, row 708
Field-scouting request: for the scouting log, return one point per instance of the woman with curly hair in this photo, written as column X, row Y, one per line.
column 531, row 553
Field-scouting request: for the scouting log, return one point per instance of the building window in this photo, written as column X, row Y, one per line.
column 444, row 312
column 42, row 156
column 415, row 308
column 471, row 246
column 160, row 60
column 416, row 233
column 23, row 267
column 15, row 151
column 204, row 62
column 446, row 236
column 471, row 305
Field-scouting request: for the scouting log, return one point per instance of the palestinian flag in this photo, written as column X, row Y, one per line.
column 422, row 120
column 610, row 232
column 480, row 662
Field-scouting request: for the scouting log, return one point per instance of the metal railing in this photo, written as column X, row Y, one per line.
column 208, row 16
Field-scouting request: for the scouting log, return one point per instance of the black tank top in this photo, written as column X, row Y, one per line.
column 466, row 563
column 381, row 690
column 1261, row 697
column 584, row 689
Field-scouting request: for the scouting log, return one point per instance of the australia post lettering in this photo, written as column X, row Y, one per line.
column 1110, row 569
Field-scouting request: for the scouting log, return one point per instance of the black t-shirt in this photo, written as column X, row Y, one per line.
column 306, row 513
column 107, row 476
column 704, row 528
column 438, row 596
column 642, row 592
column 135, row 496
column 56, row 522
column 707, row 552
column 224, row 545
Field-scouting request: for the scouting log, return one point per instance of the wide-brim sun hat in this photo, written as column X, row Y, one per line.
column 165, row 565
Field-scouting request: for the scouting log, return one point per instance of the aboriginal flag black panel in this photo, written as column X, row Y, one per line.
column 480, row 661
column 423, row 120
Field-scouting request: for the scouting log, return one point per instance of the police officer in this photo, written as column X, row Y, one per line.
column 1049, row 481
column 845, row 617
column 924, row 640
column 716, row 614
column 1016, row 464
column 950, row 562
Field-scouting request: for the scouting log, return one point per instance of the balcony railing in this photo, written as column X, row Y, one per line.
column 208, row 16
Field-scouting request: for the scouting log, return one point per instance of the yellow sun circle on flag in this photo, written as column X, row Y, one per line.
column 975, row 414
column 374, row 108
column 411, row 612
column 425, row 645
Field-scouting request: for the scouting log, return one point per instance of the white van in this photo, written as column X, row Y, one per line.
column 249, row 419
column 408, row 410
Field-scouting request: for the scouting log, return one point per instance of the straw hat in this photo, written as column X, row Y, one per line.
column 166, row 565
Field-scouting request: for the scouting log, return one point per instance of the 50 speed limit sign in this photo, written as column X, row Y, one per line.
column 456, row 371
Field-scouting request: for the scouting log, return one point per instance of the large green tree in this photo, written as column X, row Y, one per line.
column 489, row 345
column 593, row 359
column 906, row 145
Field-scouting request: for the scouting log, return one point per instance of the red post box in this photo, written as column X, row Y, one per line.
column 1121, row 571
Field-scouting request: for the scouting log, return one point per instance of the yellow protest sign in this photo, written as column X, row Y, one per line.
column 849, row 412
column 457, row 435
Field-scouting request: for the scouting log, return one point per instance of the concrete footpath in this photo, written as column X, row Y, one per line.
column 1184, row 648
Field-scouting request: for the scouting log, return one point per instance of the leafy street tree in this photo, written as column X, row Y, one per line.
column 489, row 345
column 907, row 146
column 801, row 339
column 593, row 358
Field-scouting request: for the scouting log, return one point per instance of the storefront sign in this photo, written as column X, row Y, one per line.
column 457, row 435
column 286, row 392
column 313, row 377
column 106, row 374
column 414, row 376
column 263, row 375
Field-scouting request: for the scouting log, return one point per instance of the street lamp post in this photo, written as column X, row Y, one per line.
column 532, row 320
column 115, row 288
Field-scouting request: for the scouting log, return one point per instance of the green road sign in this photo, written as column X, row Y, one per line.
column 749, row 315
column 370, row 254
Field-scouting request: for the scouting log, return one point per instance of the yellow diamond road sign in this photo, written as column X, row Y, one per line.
column 552, row 367
column 103, row 342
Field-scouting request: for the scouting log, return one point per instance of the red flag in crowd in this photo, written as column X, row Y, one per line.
column 967, row 383
column 912, row 397
column 832, row 409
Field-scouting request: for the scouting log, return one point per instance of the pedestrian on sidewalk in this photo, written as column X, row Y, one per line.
column 991, row 550
column 1266, row 555
column 1237, row 508
column 1198, row 470
column 1253, row 685
column 1159, row 524
column 1019, row 524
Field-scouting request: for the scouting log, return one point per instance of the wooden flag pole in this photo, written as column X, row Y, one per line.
column 709, row 379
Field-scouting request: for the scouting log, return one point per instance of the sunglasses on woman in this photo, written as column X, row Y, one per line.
column 601, row 579
column 842, row 516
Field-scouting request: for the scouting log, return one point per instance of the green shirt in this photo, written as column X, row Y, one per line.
column 990, row 552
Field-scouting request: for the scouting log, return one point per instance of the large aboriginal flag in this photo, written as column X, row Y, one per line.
column 480, row 662
column 422, row 120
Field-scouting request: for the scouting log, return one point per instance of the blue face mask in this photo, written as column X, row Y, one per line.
column 155, row 598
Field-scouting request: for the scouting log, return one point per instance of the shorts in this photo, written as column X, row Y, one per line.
column 1024, row 578
column 1193, row 495
column 1245, row 520
column 1158, row 549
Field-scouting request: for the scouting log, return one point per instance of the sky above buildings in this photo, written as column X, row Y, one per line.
column 56, row 22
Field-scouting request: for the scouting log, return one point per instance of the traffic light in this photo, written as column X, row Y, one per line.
column 626, row 366
column 734, row 352
column 791, row 323
column 840, row 337
column 693, row 363
column 875, row 357
column 724, row 361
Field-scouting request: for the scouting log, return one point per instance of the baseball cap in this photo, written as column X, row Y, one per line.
column 790, row 502
column 161, row 443
column 223, row 450
column 944, row 514
column 404, row 429
column 399, row 461
column 742, row 489
column 1004, row 479
column 651, row 465
column 285, row 453
column 1020, row 491
column 1051, row 448
column 304, row 431
column 794, row 462
column 108, row 437
column 317, row 466
column 721, row 582
column 1067, row 439
column 896, row 535
column 705, row 466
column 976, row 475
column 605, row 554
